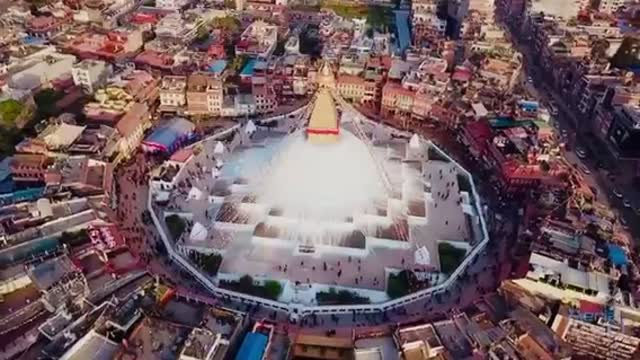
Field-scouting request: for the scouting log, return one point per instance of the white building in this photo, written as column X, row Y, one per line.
column 177, row 26
column 42, row 71
column 172, row 91
column 563, row 9
column 610, row 6
column 557, row 280
column 238, row 105
column 259, row 39
column 90, row 74
column 171, row 4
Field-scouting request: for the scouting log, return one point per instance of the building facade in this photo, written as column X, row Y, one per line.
column 90, row 74
column 204, row 94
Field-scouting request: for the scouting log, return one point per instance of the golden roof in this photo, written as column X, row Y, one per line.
column 323, row 123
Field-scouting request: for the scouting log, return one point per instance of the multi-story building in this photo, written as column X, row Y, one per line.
column 611, row 6
column 619, row 127
column 351, row 87
column 172, row 93
column 265, row 99
column 426, row 21
column 131, row 128
column 81, row 175
column 422, row 103
column 485, row 7
column 204, row 94
column 512, row 11
column 396, row 99
column 180, row 27
column 596, row 341
column 42, row 71
column 171, row 4
column 554, row 279
column 259, row 39
column 44, row 26
column 29, row 167
column 90, row 74
column 116, row 44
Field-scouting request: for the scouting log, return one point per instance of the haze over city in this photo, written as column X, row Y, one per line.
column 319, row 179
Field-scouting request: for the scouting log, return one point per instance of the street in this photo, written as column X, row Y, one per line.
column 604, row 181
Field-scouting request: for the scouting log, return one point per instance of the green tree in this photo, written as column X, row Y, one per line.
column 211, row 263
column 9, row 137
column 599, row 49
column 398, row 284
column 238, row 63
column 379, row 17
column 341, row 297
column 203, row 33
column 46, row 102
column 246, row 284
column 74, row 238
column 450, row 257
column 227, row 23
column 176, row 226
column 10, row 110
column 273, row 289
column 544, row 166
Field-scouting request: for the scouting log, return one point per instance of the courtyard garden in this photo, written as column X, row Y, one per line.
column 450, row 257
column 269, row 290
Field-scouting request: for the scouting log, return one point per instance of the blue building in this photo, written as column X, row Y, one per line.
column 170, row 137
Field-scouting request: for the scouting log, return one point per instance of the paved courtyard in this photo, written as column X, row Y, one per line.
column 424, row 207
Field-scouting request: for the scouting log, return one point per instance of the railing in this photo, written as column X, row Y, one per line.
column 338, row 309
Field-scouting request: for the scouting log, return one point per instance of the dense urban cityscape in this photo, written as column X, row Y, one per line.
column 319, row 179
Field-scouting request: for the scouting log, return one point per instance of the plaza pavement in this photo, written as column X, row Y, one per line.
column 445, row 219
column 141, row 240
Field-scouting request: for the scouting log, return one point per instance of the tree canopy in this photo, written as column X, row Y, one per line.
column 399, row 284
column 209, row 263
column 10, row 110
column 340, row 297
column 46, row 102
column 450, row 257
column 176, row 226
column 379, row 17
column 227, row 23
column 270, row 290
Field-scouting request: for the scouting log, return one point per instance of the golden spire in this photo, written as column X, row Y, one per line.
column 323, row 123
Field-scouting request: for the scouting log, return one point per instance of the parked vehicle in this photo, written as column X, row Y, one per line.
column 617, row 193
column 584, row 169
